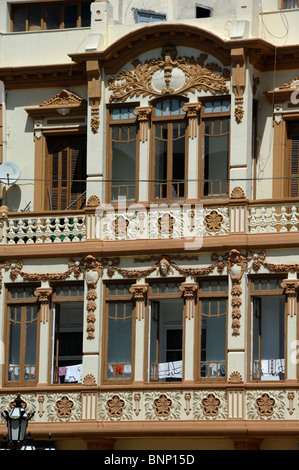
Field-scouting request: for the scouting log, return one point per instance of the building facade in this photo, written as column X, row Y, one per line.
column 149, row 222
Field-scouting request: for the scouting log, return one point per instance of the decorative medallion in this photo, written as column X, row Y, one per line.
column 64, row 407
column 265, row 405
column 210, row 405
column 115, row 406
column 162, row 405
column 213, row 221
column 169, row 75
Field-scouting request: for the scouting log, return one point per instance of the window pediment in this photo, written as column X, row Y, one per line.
column 63, row 103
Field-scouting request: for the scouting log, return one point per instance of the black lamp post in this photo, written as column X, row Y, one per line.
column 17, row 421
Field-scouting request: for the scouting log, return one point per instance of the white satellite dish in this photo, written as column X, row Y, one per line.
column 9, row 173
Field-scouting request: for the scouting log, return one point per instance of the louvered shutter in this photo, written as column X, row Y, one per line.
column 294, row 168
column 67, row 165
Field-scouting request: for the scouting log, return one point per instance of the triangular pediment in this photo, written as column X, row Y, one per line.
column 64, row 100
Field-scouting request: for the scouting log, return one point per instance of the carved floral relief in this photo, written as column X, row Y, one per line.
column 169, row 75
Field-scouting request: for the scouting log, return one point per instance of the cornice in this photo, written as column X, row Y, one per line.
column 43, row 76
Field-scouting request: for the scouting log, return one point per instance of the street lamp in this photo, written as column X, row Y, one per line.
column 17, row 421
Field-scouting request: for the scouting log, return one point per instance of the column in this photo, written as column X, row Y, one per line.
column 92, row 331
column 44, row 295
column 192, row 111
column 290, row 286
column 189, row 290
column 139, row 291
column 143, row 114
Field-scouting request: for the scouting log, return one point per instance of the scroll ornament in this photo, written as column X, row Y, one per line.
column 192, row 74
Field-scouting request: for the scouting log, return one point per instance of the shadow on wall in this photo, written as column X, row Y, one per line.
column 13, row 197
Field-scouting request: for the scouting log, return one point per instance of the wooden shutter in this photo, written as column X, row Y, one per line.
column 293, row 135
column 67, row 170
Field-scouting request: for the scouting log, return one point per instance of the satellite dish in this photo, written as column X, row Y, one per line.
column 9, row 173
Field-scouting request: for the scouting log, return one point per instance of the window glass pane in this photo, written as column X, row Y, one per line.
column 15, row 336
column 30, row 348
column 124, row 164
column 34, row 18
column 119, row 341
column 269, row 337
column 215, row 161
column 52, row 17
column 225, row 106
column 70, row 16
column 208, row 107
column 213, row 347
column 85, row 14
column 19, row 18
column 217, row 107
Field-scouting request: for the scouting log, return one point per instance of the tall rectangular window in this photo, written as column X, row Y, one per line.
column 124, row 154
column 216, row 141
column 68, row 309
column 23, row 332
column 267, row 329
column 119, row 332
column 213, row 328
column 166, row 332
column 66, row 171
column 169, row 164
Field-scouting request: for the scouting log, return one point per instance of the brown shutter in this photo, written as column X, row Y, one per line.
column 294, row 168
column 67, row 165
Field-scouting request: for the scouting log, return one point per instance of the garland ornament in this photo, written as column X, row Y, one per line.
column 155, row 77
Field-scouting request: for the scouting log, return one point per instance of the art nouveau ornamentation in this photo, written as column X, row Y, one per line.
column 44, row 297
column 169, row 75
column 210, row 405
column 143, row 115
column 192, row 112
column 290, row 287
column 115, row 406
column 236, row 265
column 189, row 290
column 92, row 270
column 139, row 292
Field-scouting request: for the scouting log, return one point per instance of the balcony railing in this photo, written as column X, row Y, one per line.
column 157, row 221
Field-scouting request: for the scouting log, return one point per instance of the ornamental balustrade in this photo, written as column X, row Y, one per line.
column 185, row 221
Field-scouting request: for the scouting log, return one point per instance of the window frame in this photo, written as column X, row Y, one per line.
column 67, row 135
column 156, row 297
column 61, row 300
column 283, row 7
column 44, row 5
column 210, row 295
column 152, row 16
column 258, row 293
column 114, row 123
column 170, row 120
column 206, row 116
column 117, row 299
column 23, row 302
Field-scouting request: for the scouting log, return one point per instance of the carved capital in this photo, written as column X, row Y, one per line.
column 238, row 73
column 290, row 287
column 143, row 114
column 94, row 92
column 192, row 111
column 44, row 295
column 139, row 292
column 189, row 290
